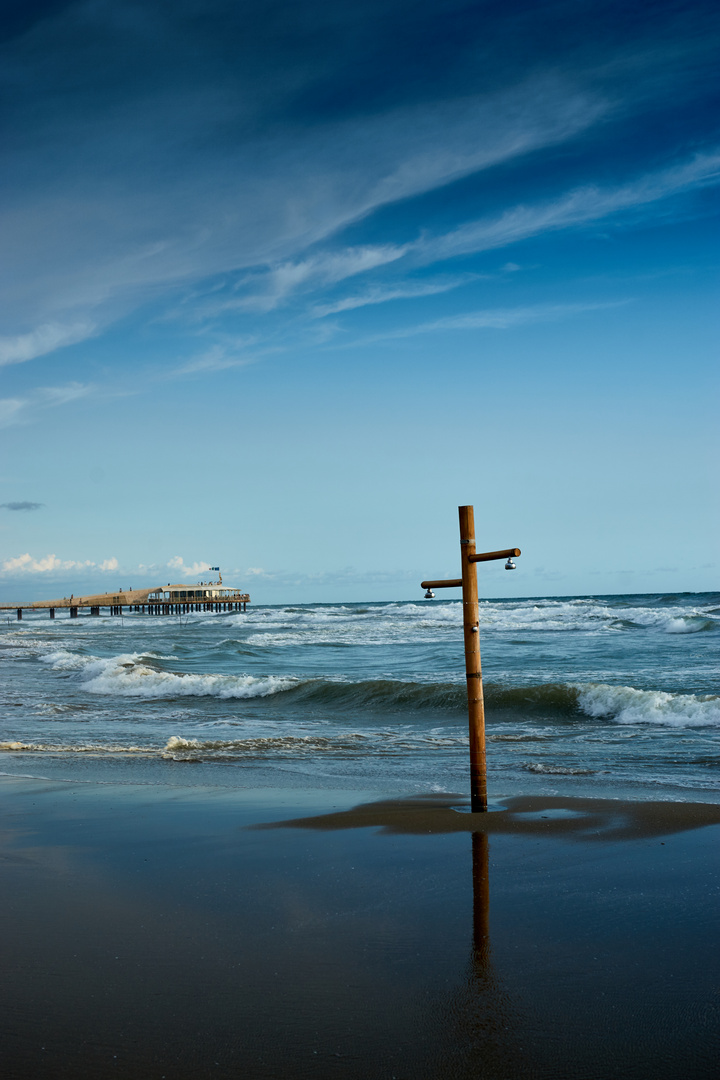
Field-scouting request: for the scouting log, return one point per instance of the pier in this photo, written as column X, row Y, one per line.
column 161, row 600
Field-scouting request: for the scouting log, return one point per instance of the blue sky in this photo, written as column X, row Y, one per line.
column 285, row 283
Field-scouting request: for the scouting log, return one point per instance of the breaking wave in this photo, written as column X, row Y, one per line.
column 180, row 749
column 142, row 676
column 626, row 705
column 389, row 742
column 136, row 675
column 437, row 620
column 62, row 748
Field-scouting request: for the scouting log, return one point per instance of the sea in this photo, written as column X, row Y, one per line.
column 607, row 696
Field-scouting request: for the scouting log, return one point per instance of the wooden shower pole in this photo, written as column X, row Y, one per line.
column 473, row 668
column 471, row 631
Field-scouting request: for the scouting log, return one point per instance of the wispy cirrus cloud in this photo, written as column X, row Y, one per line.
column 18, row 410
column 62, row 395
column 42, row 340
column 319, row 270
column 183, row 176
column 170, row 215
column 22, row 505
column 11, row 410
column 384, row 294
column 218, row 357
column 578, row 207
column 498, row 319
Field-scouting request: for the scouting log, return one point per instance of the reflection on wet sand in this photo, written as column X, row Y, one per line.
column 482, row 1022
column 528, row 815
column 555, row 1011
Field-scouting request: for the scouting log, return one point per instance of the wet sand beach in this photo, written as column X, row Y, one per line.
column 159, row 931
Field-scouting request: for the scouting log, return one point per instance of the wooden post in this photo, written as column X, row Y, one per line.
column 473, row 670
column 471, row 631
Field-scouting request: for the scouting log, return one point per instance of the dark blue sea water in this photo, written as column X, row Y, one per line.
column 608, row 695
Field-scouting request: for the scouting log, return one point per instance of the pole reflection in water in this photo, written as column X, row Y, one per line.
column 482, row 1023
column 593, row 982
column 481, row 899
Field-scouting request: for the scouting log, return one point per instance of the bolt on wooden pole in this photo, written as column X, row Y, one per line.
column 473, row 668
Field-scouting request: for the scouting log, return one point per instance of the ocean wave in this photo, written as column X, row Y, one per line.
column 392, row 623
column 178, row 748
column 389, row 742
column 626, row 705
column 391, row 694
column 689, row 624
column 135, row 675
column 140, row 675
column 81, row 748
column 550, row 701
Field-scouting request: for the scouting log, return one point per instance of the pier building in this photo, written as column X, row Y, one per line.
column 161, row 600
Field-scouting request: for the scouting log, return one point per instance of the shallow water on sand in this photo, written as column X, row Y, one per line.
column 155, row 934
column 611, row 695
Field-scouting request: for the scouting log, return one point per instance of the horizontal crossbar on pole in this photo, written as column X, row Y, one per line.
column 489, row 556
column 452, row 583
column 485, row 556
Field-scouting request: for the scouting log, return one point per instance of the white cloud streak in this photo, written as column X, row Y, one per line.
column 48, row 564
column 319, row 270
column 11, row 410
column 582, row 206
column 498, row 319
column 383, row 295
column 178, row 565
column 43, row 340
column 216, row 358
column 579, row 207
column 121, row 206
column 164, row 218
column 18, row 410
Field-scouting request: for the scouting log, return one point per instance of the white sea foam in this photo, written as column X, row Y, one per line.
column 392, row 623
column 558, row 770
column 370, row 708
column 688, row 624
column 341, row 743
column 69, row 748
column 179, row 748
column 130, row 675
column 431, row 621
column 626, row 705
